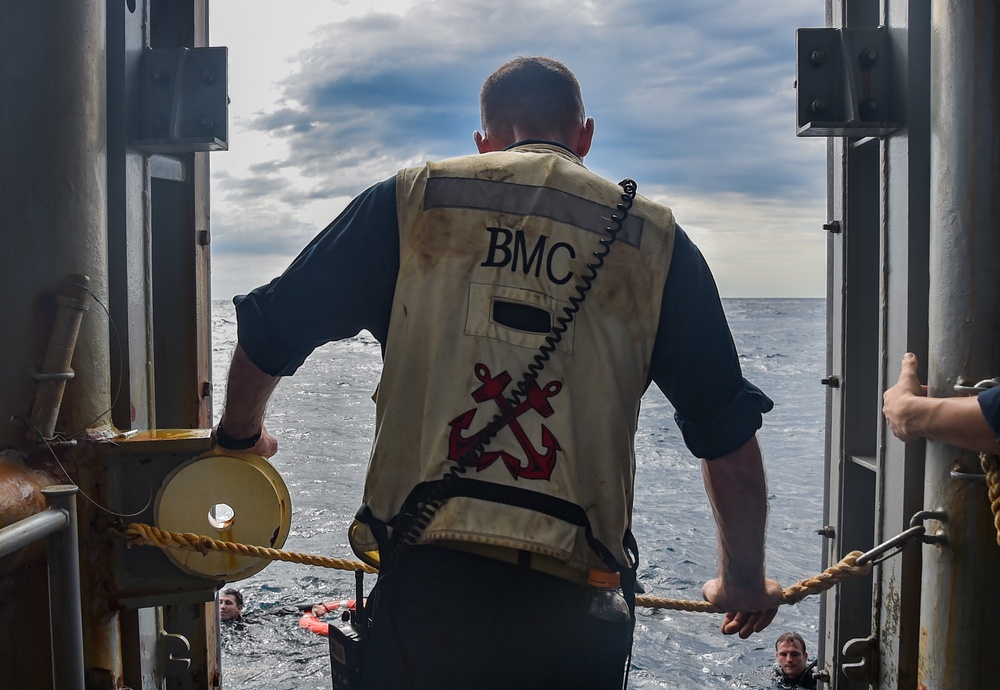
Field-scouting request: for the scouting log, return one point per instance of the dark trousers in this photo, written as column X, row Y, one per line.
column 444, row 619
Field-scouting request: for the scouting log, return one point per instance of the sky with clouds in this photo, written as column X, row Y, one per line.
column 693, row 100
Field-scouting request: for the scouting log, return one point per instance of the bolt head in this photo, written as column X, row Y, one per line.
column 868, row 57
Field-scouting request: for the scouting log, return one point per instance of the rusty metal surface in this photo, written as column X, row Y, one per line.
column 20, row 489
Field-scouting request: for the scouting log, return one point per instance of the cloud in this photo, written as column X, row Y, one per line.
column 698, row 95
column 258, row 226
column 756, row 246
column 693, row 98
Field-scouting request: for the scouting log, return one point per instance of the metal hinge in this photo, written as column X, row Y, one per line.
column 841, row 83
column 185, row 100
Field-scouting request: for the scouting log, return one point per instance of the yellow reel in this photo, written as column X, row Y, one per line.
column 238, row 498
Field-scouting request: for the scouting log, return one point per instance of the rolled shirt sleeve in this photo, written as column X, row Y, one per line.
column 695, row 363
column 989, row 403
column 340, row 284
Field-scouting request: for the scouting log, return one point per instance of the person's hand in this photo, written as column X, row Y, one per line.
column 748, row 610
column 897, row 401
column 266, row 446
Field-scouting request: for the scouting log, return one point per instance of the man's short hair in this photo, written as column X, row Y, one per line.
column 235, row 594
column 791, row 637
column 535, row 93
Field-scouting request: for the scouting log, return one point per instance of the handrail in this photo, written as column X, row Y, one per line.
column 58, row 523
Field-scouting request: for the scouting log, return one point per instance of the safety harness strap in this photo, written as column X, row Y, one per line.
column 561, row 509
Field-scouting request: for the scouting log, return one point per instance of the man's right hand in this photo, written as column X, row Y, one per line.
column 266, row 446
column 748, row 611
column 247, row 392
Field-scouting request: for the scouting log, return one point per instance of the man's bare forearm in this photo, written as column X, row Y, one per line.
column 955, row 421
column 247, row 392
column 737, row 490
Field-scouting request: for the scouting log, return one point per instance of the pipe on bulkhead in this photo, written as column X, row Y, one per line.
column 20, row 497
column 55, row 373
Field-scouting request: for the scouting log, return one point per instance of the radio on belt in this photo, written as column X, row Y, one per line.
column 348, row 642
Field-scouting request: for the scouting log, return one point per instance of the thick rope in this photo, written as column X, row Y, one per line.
column 139, row 533
column 830, row 577
column 989, row 463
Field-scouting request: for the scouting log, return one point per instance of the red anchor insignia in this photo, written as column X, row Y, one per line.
column 539, row 465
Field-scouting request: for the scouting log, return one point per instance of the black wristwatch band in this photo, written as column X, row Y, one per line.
column 228, row 442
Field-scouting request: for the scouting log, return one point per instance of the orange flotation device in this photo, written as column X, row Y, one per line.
column 311, row 619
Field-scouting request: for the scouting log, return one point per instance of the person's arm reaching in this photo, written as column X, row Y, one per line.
column 343, row 282
column 737, row 490
column 956, row 421
column 248, row 390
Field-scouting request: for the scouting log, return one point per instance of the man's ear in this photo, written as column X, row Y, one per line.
column 482, row 143
column 585, row 137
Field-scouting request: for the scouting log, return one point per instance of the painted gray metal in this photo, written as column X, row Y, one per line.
column 52, row 197
column 842, row 82
column 65, row 608
column 914, row 268
column 130, row 242
column 852, row 319
column 29, row 530
column 903, row 304
column 960, row 601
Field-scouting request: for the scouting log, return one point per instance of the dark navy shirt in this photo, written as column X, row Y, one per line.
column 343, row 282
column 989, row 403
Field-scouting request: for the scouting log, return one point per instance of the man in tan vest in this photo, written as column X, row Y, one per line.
column 511, row 291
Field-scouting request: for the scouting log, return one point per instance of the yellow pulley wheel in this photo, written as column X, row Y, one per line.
column 239, row 498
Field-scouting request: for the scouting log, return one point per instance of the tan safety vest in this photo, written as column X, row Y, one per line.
column 480, row 237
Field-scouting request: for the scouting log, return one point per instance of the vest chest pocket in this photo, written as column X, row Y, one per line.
column 514, row 315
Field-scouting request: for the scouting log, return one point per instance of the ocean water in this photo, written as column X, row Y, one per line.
column 323, row 418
